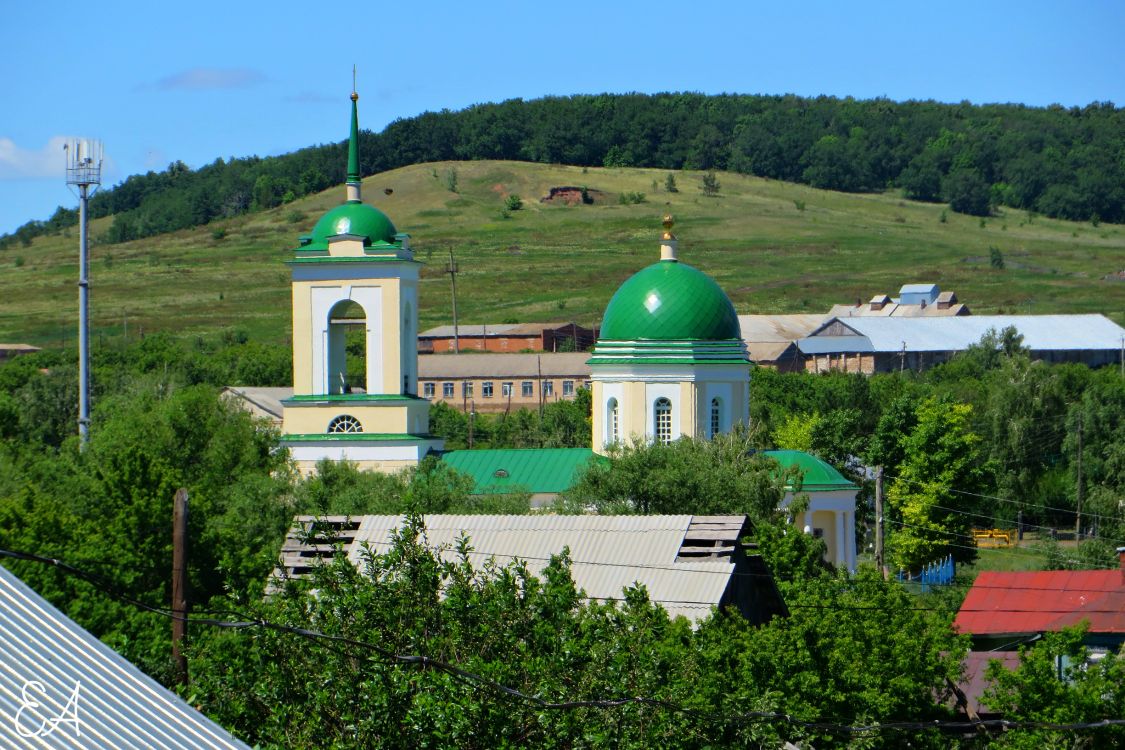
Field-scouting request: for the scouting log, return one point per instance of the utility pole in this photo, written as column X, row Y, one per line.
column 179, row 582
column 451, row 269
column 1078, row 515
column 84, row 170
column 879, row 521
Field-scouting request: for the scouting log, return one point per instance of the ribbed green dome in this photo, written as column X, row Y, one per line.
column 352, row 218
column 670, row 301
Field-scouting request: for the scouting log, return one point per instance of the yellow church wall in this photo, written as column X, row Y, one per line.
column 313, row 419
column 308, row 468
column 689, row 408
column 302, row 339
column 826, row 521
column 392, row 339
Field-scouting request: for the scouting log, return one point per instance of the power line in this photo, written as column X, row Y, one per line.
column 476, row 680
column 1007, row 500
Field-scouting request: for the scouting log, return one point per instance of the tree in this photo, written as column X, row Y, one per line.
column 967, row 192
column 670, row 183
column 1056, row 683
column 940, row 469
column 690, row 475
column 710, row 185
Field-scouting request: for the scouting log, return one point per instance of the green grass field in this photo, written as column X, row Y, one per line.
column 556, row 262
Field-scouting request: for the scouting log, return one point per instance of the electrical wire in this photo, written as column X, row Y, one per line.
column 475, row 680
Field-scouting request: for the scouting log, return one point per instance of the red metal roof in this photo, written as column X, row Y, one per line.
column 1035, row 602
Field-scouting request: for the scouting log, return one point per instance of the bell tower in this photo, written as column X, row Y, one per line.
column 355, row 351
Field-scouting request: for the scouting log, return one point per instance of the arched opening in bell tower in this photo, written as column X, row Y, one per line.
column 347, row 348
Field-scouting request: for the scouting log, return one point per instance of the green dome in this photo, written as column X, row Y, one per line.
column 670, row 301
column 352, row 218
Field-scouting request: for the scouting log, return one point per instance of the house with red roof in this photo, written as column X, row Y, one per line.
column 1005, row 608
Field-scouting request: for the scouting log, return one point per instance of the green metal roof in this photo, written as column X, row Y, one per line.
column 352, row 218
column 534, row 469
column 818, row 476
column 353, row 437
column 670, row 300
column 350, row 398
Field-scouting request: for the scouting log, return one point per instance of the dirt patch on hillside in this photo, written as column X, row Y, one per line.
column 573, row 196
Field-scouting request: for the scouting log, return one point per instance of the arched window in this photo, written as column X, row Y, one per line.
column 345, row 423
column 662, row 413
column 613, row 421
column 716, row 416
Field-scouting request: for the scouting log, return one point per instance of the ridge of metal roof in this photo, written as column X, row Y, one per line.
column 118, row 706
column 954, row 333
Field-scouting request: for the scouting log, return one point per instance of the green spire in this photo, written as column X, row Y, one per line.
column 353, row 144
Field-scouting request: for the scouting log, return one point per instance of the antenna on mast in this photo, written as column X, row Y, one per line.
column 84, row 169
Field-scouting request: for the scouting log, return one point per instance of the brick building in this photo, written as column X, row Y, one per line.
column 508, row 337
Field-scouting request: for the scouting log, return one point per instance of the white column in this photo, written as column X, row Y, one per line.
column 841, row 551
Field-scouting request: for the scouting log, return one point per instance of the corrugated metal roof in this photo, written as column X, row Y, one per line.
column 118, row 705
column 955, row 333
column 487, row 365
column 777, row 328
column 609, row 553
column 262, row 401
column 1036, row 602
column 471, row 330
column 535, row 469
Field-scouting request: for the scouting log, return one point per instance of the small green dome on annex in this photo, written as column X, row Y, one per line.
column 353, row 217
column 670, row 311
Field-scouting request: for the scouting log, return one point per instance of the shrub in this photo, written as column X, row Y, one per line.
column 513, row 203
column 710, row 185
column 670, row 183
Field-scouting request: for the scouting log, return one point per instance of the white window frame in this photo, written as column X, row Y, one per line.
column 662, row 420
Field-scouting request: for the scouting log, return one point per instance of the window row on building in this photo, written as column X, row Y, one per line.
column 501, row 393
column 662, row 420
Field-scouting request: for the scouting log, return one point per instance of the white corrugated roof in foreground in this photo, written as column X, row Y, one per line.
column 1040, row 333
column 608, row 553
column 119, row 706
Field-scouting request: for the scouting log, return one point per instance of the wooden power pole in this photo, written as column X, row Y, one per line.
column 179, row 582
column 1078, row 515
column 879, row 522
column 452, row 271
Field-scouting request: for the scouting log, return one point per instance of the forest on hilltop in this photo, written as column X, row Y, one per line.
column 1059, row 162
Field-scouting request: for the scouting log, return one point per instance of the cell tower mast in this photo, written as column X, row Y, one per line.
column 84, row 169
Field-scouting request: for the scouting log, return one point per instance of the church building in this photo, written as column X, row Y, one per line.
column 356, row 272
column 670, row 362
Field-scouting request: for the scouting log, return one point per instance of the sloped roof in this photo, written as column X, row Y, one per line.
column 538, row 470
column 118, row 705
column 469, row 330
column 500, row 366
column 261, row 401
column 956, row 333
column 1001, row 603
column 685, row 562
column 817, row 475
column 778, row 328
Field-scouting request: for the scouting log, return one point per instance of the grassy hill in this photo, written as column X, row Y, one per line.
column 775, row 247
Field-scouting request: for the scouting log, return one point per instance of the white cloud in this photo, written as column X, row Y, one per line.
column 197, row 79
column 18, row 163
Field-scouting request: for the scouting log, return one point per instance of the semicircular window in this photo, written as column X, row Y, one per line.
column 345, row 423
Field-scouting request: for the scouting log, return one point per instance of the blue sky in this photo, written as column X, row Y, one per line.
column 196, row 81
